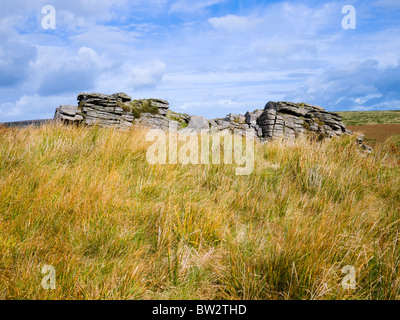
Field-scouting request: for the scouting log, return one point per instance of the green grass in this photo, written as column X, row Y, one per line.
column 175, row 116
column 370, row 117
column 86, row 201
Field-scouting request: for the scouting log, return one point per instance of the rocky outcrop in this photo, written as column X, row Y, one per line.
column 116, row 110
column 289, row 120
column 286, row 120
column 105, row 110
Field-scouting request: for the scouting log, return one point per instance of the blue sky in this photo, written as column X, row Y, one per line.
column 209, row 57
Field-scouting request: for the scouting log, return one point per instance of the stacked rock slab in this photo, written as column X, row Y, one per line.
column 235, row 123
column 251, row 120
column 112, row 111
column 162, row 106
column 156, row 121
column 289, row 120
column 68, row 114
column 105, row 110
column 285, row 120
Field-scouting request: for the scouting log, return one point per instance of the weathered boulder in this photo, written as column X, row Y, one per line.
column 156, row 121
column 289, row 120
column 162, row 105
column 121, row 96
column 237, row 118
column 360, row 142
column 105, row 110
column 251, row 117
column 68, row 113
column 198, row 123
column 116, row 110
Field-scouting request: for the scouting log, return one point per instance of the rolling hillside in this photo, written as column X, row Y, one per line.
column 378, row 126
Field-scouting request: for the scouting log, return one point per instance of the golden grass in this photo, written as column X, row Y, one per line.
column 86, row 201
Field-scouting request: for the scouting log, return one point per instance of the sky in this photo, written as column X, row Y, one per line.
column 209, row 57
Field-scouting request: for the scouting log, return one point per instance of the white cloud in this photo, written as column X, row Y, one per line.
column 9, row 110
column 364, row 84
column 234, row 23
column 32, row 107
column 231, row 59
column 15, row 59
column 192, row 6
column 147, row 76
column 75, row 74
column 87, row 57
column 101, row 37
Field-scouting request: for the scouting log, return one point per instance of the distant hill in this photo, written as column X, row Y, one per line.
column 378, row 126
column 26, row 123
column 357, row 118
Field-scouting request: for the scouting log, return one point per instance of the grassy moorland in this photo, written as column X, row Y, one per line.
column 357, row 118
column 377, row 126
column 376, row 134
column 86, row 201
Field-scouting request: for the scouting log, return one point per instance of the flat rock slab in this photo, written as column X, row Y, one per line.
column 198, row 123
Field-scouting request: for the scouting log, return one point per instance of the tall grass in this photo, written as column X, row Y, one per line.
column 86, row 201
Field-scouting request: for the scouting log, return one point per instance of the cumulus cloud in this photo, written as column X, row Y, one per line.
column 31, row 107
column 365, row 84
column 147, row 76
column 234, row 23
column 283, row 18
column 15, row 59
column 220, row 54
column 9, row 110
column 77, row 74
